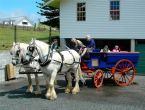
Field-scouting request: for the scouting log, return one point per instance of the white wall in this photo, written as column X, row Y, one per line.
column 98, row 24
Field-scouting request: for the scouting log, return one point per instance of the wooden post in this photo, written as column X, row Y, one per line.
column 49, row 34
column 15, row 34
column 132, row 45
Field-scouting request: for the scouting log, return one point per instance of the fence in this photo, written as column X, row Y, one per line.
column 8, row 34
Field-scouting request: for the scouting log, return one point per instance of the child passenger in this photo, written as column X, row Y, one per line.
column 105, row 49
column 116, row 49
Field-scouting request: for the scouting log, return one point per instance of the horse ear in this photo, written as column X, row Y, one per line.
column 14, row 43
column 32, row 40
column 19, row 45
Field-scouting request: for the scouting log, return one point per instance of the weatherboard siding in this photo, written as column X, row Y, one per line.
column 98, row 24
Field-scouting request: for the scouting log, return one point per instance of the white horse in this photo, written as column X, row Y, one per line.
column 19, row 51
column 52, row 62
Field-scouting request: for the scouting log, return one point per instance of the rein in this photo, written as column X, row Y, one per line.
column 47, row 61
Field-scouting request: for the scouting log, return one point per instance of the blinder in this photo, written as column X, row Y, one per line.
column 31, row 48
column 29, row 55
column 17, row 52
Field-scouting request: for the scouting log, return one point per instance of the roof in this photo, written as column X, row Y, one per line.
column 53, row 3
column 16, row 20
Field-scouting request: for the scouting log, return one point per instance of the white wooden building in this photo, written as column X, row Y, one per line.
column 18, row 21
column 108, row 21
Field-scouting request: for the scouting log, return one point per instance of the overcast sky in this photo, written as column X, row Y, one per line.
column 15, row 8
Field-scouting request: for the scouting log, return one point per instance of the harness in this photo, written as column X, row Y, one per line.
column 61, row 63
column 47, row 62
column 25, row 62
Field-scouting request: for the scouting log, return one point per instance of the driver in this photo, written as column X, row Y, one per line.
column 79, row 46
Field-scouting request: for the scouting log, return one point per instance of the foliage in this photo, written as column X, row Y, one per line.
column 50, row 13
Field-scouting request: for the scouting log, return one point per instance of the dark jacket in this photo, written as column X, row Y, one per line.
column 91, row 44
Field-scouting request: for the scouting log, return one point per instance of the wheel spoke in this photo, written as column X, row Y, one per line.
column 127, row 78
column 124, row 78
column 120, row 78
column 129, row 74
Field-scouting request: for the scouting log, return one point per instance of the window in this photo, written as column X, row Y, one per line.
column 25, row 23
column 115, row 10
column 81, row 11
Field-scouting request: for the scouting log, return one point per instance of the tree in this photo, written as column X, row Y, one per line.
column 51, row 14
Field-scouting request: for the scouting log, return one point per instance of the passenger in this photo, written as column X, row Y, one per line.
column 105, row 49
column 116, row 49
column 91, row 43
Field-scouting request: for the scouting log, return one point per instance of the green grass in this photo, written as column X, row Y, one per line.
column 23, row 35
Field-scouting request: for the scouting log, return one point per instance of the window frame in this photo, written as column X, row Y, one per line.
column 115, row 10
column 80, row 13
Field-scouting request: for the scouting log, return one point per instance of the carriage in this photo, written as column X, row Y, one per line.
column 118, row 66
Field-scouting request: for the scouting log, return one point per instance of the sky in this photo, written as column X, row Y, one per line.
column 16, row 8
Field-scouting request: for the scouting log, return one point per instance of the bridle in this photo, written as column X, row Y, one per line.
column 34, row 47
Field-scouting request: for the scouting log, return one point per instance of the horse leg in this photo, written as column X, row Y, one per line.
column 30, row 87
column 69, row 84
column 46, row 80
column 47, row 95
column 76, row 88
column 37, row 92
column 51, row 94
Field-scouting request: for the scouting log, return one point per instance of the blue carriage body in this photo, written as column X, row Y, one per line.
column 108, row 60
column 120, row 66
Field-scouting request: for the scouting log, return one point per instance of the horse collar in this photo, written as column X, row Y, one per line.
column 44, row 63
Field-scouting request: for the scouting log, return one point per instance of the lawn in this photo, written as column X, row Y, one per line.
column 23, row 35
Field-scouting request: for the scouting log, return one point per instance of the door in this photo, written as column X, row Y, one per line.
column 140, row 47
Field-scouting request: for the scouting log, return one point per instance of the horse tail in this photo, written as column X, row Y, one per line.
column 81, row 75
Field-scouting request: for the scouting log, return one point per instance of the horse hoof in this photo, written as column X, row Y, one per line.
column 67, row 91
column 37, row 93
column 47, row 96
column 52, row 98
column 29, row 90
column 75, row 92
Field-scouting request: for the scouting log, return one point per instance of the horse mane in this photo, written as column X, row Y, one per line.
column 44, row 46
column 22, row 45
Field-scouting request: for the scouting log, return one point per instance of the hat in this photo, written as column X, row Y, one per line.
column 88, row 37
column 73, row 39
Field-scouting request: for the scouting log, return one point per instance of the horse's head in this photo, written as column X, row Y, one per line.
column 15, row 52
column 40, row 48
column 31, row 50
column 19, row 52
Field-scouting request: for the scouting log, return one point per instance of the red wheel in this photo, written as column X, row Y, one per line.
column 124, row 72
column 98, row 78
